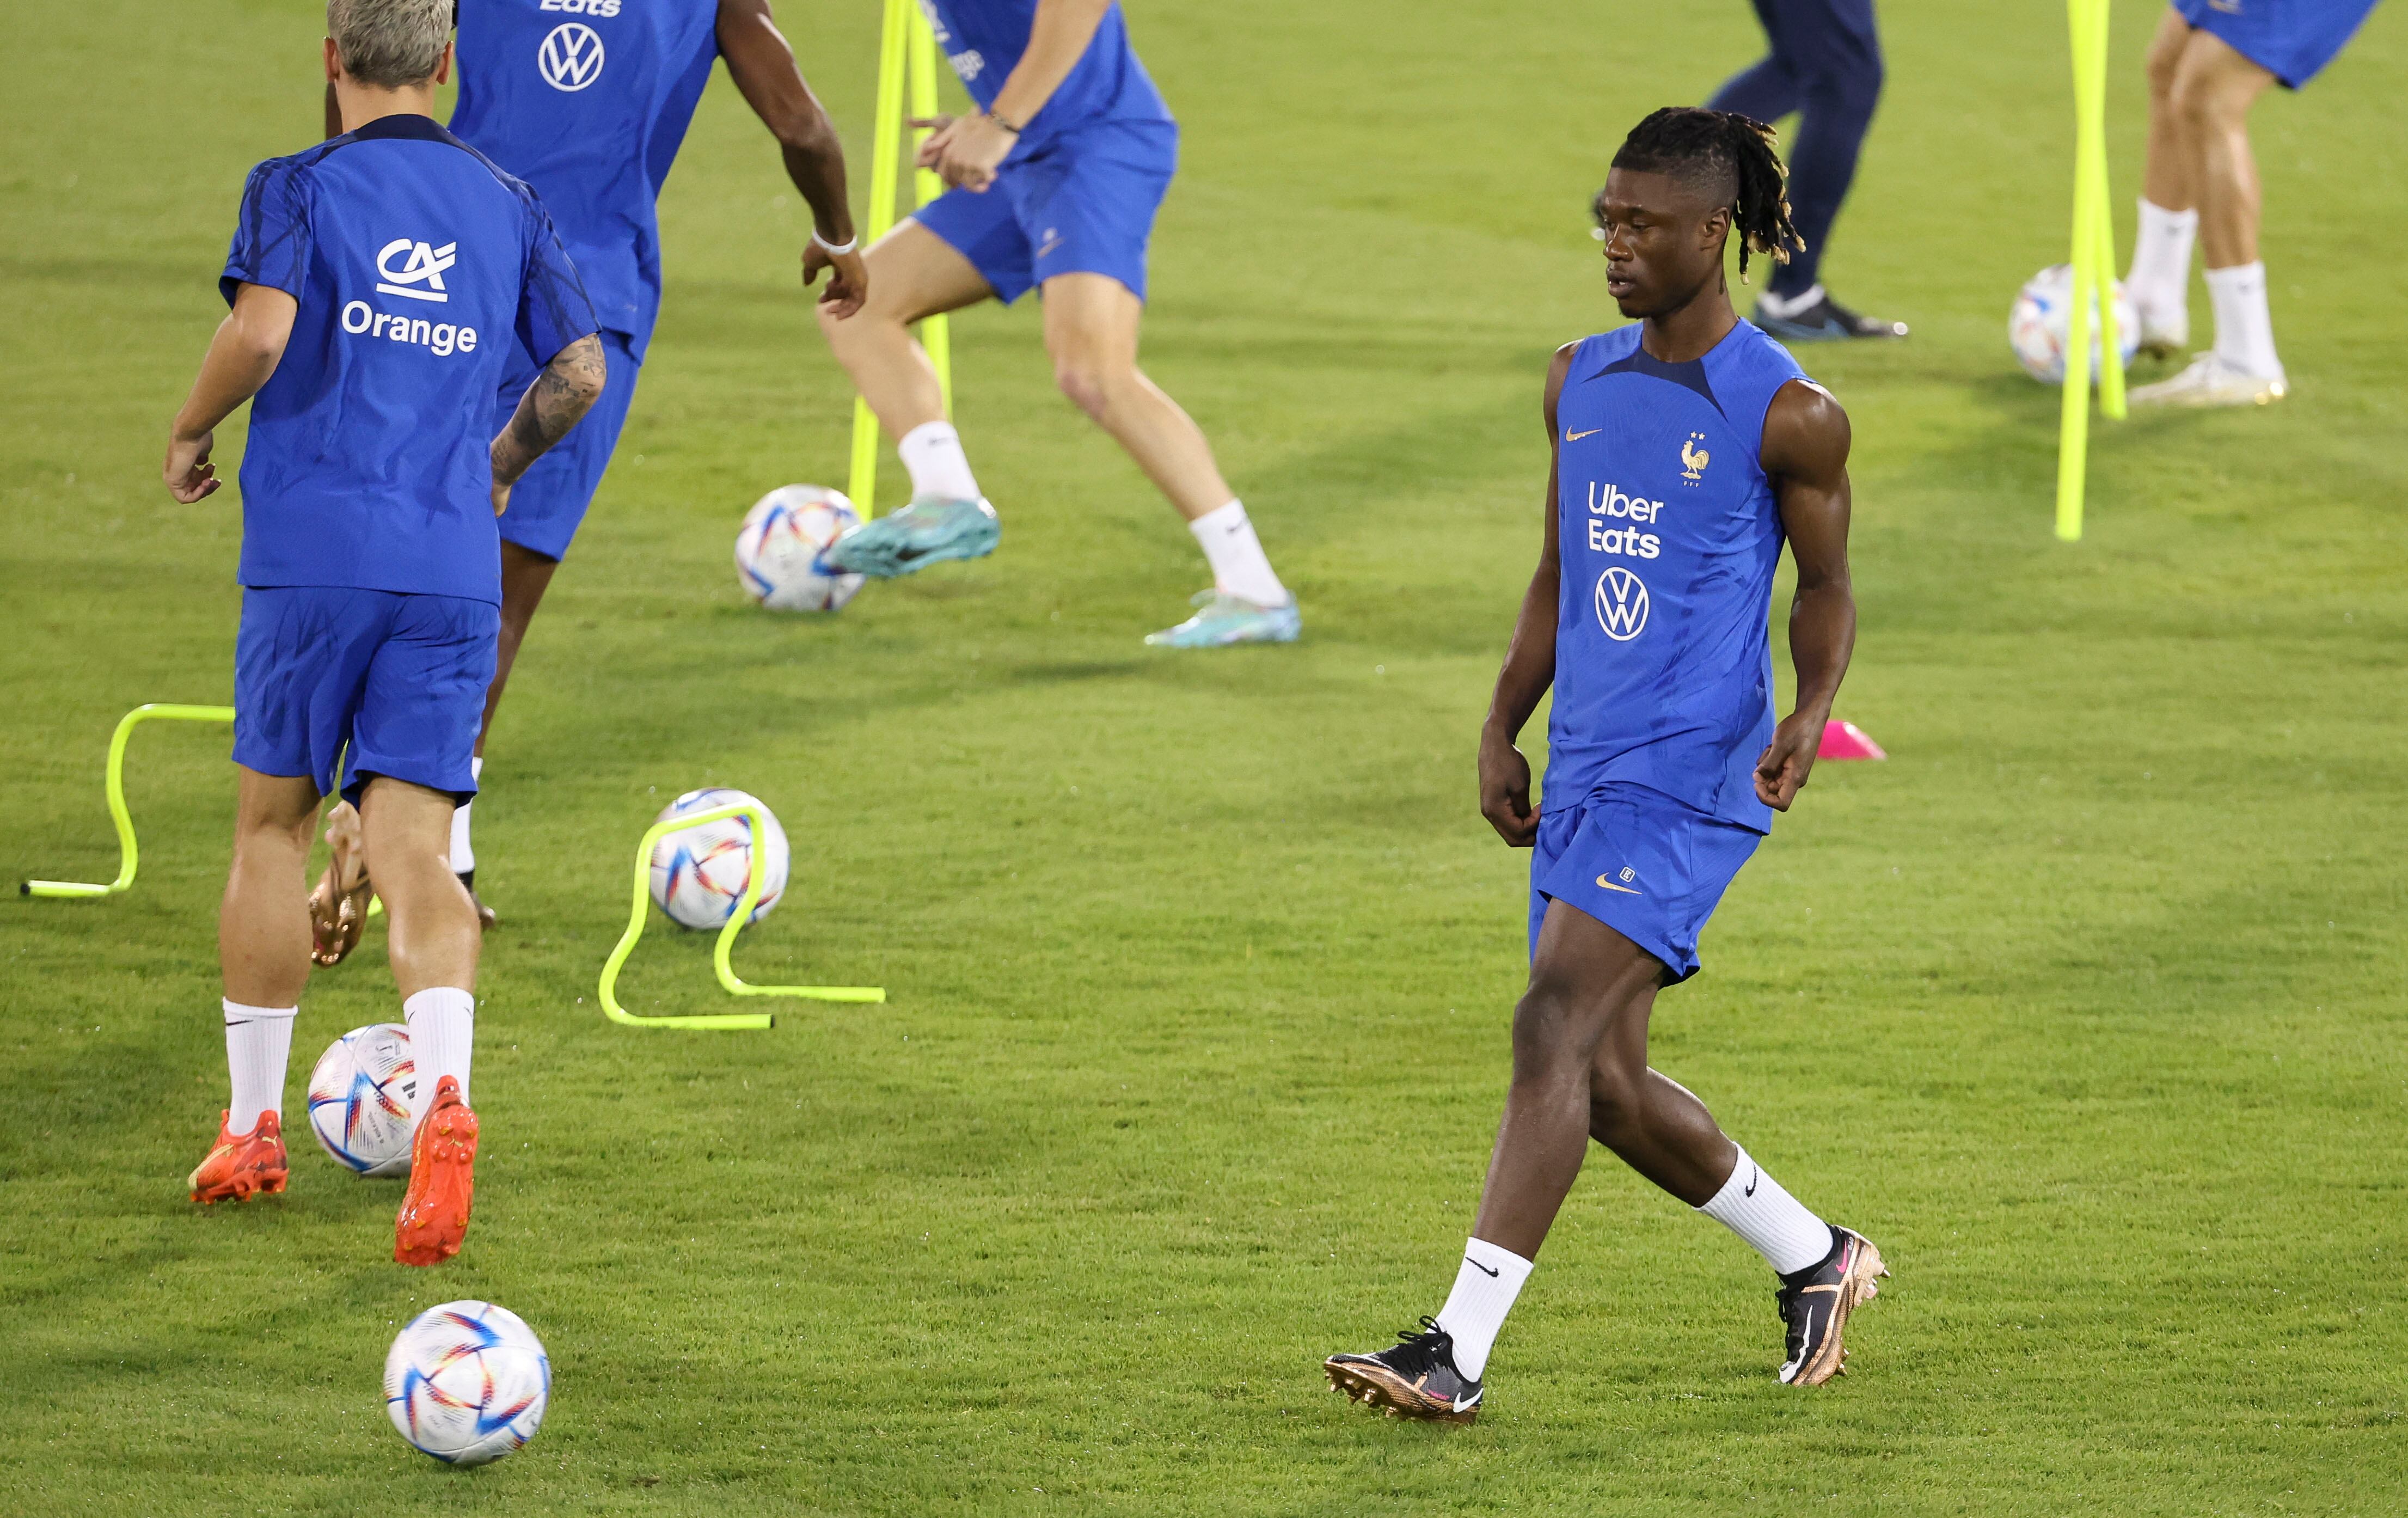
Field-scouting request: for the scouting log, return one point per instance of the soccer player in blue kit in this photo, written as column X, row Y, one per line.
column 1055, row 180
column 1686, row 448
column 588, row 101
column 380, row 283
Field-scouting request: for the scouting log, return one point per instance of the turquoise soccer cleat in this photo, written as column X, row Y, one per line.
column 1223, row 619
column 904, row 542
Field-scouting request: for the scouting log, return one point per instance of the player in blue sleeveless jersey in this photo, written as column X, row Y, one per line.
column 380, row 283
column 1686, row 448
column 1055, row 180
column 588, row 101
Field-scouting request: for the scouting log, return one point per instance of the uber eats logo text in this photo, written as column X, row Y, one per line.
column 1604, row 503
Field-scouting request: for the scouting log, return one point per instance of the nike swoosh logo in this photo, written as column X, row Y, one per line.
column 1477, row 1266
column 1753, row 1175
column 1624, row 889
column 1571, row 437
column 1471, row 1401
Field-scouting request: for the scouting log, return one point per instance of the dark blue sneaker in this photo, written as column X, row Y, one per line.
column 1825, row 321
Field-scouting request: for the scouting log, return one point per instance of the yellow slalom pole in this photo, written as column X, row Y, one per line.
column 2103, row 223
column 936, row 335
column 114, row 785
column 886, row 140
column 2073, row 426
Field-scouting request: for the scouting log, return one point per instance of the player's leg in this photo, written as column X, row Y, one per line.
column 2159, row 281
column 1831, row 51
column 263, row 953
column 413, row 740
column 1091, row 323
column 2213, row 87
column 1767, row 90
column 923, row 267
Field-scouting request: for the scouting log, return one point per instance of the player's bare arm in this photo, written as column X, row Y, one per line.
column 249, row 344
column 1806, row 442
column 560, row 396
column 965, row 149
column 762, row 64
column 1529, row 659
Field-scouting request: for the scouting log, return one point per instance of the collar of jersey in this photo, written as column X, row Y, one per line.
column 408, row 125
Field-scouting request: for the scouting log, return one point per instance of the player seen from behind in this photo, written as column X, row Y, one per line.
column 588, row 101
column 381, row 282
column 1055, row 180
column 1685, row 448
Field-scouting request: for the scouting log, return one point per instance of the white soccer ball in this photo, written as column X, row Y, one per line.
column 2043, row 311
column 699, row 873
column 778, row 548
column 361, row 1093
column 467, row 1383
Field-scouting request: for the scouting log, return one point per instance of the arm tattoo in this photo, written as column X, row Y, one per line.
column 561, row 396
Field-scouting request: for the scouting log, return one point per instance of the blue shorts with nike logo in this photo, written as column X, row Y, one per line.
column 1084, row 204
column 1644, row 865
column 399, row 679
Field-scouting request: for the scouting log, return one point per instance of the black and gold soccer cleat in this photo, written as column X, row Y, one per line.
column 1815, row 1305
column 1414, row 1378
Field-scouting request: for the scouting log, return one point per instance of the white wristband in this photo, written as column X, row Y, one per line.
column 845, row 247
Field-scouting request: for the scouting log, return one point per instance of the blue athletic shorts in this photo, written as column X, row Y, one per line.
column 2291, row 39
column 1083, row 205
column 551, row 498
column 1642, row 864
column 401, row 679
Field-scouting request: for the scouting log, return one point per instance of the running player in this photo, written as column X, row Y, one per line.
column 1685, row 448
column 379, row 283
column 1055, row 181
column 587, row 101
column 2210, row 62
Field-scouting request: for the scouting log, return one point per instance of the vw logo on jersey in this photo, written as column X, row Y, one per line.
column 420, row 265
column 570, row 57
column 1621, row 604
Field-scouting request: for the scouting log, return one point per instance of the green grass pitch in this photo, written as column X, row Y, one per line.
column 2086, row 1005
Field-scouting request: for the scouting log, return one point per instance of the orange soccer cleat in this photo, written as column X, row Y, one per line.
column 241, row 1166
column 434, row 1219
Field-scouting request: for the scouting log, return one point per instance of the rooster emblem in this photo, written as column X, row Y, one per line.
column 1694, row 459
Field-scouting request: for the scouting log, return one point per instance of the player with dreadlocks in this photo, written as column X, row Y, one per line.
column 1686, row 448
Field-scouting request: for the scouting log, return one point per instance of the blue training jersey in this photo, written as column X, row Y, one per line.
column 983, row 40
column 588, row 101
column 1669, row 537
column 416, row 265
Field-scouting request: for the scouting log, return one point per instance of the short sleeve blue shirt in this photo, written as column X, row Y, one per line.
column 415, row 263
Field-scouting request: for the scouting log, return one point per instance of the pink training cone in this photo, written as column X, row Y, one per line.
column 1846, row 741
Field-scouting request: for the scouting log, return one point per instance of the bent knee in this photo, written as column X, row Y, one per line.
column 1551, row 1036
column 1093, row 388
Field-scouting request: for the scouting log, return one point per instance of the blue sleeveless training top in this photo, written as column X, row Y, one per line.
column 1669, row 535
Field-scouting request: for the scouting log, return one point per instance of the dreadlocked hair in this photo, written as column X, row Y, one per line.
column 1731, row 156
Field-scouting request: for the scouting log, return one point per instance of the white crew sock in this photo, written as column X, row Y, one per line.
column 442, row 1033
column 1785, row 307
column 2244, row 329
column 1238, row 564
column 258, row 1038
column 932, row 451
column 464, row 854
column 2159, row 277
column 1484, row 1289
column 1753, row 1206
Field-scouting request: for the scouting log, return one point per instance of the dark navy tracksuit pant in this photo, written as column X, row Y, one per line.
column 1826, row 65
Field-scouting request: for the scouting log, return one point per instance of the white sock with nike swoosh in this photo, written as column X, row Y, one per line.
column 1484, row 1289
column 257, row 1041
column 1776, row 1224
column 1239, row 566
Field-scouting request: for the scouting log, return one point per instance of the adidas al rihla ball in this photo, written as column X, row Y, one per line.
column 467, row 1383
column 360, row 1093
column 699, row 873
column 778, row 548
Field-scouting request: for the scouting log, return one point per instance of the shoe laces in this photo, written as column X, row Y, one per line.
column 1421, row 1349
